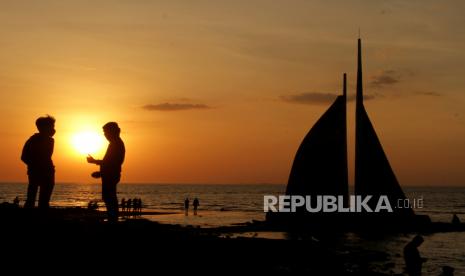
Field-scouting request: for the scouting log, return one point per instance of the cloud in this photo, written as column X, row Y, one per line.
column 385, row 11
column 385, row 78
column 428, row 93
column 174, row 106
column 365, row 97
column 318, row 98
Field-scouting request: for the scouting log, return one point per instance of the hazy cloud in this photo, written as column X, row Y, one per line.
column 428, row 93
column 385, row 78
column 318, row 98
column 365, row 97
column 385, row 11
column 174, row 106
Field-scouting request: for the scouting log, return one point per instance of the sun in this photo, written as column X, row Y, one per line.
column 87, row 142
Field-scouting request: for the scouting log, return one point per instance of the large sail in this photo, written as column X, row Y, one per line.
column 373, row 173
column 320, row 164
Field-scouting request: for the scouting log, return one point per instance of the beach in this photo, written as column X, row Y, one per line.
column 251, row 247
column 229, row 220
column 72, row 231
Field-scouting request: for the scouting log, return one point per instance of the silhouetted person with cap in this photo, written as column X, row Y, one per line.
column 110, row 168
column 37, row 154
column 195, row 204
column 413, row 260
column 186, row 206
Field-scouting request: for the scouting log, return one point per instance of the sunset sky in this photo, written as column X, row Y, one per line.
column 224, row 91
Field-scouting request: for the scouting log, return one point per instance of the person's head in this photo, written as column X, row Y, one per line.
column 418, row 240
column 46, row 125
column 111, row 131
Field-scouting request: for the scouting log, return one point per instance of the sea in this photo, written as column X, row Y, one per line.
column 226, row 205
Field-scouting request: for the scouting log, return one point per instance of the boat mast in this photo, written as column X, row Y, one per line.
column 359, row 74
column 358, row 120
column 344, row 86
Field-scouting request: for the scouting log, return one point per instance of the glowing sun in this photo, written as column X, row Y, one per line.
column 87, row 142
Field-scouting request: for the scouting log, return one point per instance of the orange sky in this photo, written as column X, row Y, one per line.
column 245, row 80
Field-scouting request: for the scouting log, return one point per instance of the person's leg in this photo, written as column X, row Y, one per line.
column 31, row 191
column 46, row 189
column 110, row 198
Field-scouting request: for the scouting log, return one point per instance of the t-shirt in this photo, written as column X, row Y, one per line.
column 37, row 154
column 113, row 159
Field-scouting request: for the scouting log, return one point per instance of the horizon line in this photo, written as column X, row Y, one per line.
column 225, row 184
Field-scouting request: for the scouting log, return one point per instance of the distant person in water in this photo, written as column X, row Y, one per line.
column 140, row 206
column 195, row 204
column 455, row 219
column 413, row 260
column 110, row 168
column 186, row 206
column 37, row 154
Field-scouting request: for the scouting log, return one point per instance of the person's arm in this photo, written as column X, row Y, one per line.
column 26, row 153
column 52, row 147
column 92, row 160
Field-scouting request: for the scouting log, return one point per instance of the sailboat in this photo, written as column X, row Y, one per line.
column 320, row 166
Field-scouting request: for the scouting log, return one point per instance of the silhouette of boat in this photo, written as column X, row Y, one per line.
column 320, row 168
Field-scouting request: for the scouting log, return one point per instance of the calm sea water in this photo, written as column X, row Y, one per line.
column 168, row 197
column 230, row 204
column 439, row 203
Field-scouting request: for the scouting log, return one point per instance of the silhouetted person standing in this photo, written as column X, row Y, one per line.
column 37, row 154
column 186, row 206
column 129, row 204
column 110, row 168
column 16, row 202
column 413, row 260
column 135, row 204
column 123, row 205
column 455, row 219
column 196, row 204
column 140, row 206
